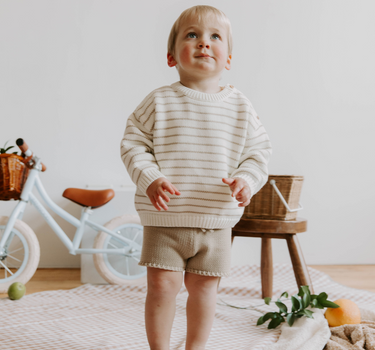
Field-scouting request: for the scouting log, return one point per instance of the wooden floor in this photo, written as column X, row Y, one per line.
column 355, row 276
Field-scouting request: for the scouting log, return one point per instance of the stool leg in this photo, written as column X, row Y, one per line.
column 299, row 266
column 266, row 267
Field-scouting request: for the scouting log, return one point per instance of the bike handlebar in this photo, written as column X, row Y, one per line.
column 25, row 149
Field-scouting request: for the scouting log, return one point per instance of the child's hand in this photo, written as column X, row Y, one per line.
column 156, row 192
column 240, row 190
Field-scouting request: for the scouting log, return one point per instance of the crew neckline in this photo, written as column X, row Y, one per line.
column 203, row 96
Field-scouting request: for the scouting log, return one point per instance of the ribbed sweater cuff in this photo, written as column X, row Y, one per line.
column 147, row 177
column 252, row 184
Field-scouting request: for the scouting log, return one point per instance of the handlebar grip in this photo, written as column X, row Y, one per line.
column 25, row 149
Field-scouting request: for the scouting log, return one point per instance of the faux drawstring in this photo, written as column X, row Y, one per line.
column 204, row 230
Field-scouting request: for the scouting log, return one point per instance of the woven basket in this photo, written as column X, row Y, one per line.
column 13, row 174
column 266, row 204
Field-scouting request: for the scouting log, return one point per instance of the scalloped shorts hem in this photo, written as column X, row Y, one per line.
column 159, row 266
column 207, row 273
column 196, row 250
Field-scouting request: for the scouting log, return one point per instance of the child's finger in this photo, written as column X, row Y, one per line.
column 228, row 181
column 237, row 189
column 176, row 190
column 154, row 203
column 168, row 187
column 242, row 193
column 163, row 195
column 161, row 203
column 240, row 197
column 244, row 204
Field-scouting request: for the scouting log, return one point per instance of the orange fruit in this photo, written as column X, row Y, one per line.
column 347, row 313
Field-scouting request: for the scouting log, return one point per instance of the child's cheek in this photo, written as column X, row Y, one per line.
column 185, row 54
column 220, row 54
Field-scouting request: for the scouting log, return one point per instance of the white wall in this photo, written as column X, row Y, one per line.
column 72, row 71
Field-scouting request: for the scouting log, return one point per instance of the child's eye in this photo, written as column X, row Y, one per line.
column 192, row 35
column 216, row 36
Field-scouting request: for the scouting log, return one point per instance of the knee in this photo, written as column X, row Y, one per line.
column 201, row 285
column 160, row 284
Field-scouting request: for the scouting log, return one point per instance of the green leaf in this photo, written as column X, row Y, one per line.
column 322, row 296
column 260, row 320
column 330, row 304
column 281, row 306
column 285, row 294
column 306, row 289
column 306, row 313
column 319, row 305
column 296, row 304
column 314, row 302
column 306, row 300
column 290, row 318
column 267, row 300
column 303, row 290
column 5, row 149
column 8, row 148
column 275, row 322
column 269, row 315
column 266, row 317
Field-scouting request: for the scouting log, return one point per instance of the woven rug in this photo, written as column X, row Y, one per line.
column 111, row 317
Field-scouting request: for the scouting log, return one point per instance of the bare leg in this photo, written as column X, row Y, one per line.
column 162, row 289
column 200, row 309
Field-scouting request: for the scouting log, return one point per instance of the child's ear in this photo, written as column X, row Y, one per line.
column 171, row 61
column 228, row 65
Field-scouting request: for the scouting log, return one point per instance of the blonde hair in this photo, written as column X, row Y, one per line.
column 199, row 12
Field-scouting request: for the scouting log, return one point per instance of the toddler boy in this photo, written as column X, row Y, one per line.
column 205, row 145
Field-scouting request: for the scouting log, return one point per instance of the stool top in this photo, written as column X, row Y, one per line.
column 271, row 226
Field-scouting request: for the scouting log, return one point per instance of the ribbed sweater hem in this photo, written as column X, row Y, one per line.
column 179, row 220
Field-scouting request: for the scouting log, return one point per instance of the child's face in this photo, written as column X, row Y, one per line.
column 201, row 49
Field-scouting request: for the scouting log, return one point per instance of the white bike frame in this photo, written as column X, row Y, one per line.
column 27, row 195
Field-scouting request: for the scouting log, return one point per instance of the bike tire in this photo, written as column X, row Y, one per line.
column 113, row 268
column 26, row 245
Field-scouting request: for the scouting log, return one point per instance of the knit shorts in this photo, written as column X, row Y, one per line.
column 201, row 251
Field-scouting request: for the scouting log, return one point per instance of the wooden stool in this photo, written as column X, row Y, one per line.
column 281, row 229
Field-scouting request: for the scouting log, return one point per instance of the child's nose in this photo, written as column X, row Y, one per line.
column 204, row 43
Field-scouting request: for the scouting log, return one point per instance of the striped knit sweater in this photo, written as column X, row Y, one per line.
column 195, row 139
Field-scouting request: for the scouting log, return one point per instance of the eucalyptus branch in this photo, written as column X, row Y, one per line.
column 253, row 307
column 300, row 302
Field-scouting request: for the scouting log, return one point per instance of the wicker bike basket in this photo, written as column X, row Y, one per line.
column 13, row 174
column 266, row 204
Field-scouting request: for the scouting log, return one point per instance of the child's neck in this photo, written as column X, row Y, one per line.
column 209, row 86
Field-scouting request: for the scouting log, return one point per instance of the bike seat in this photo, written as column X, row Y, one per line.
column 89, row 198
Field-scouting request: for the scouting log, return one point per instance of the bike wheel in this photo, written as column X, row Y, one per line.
column 21, row 255
column 116, row 268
